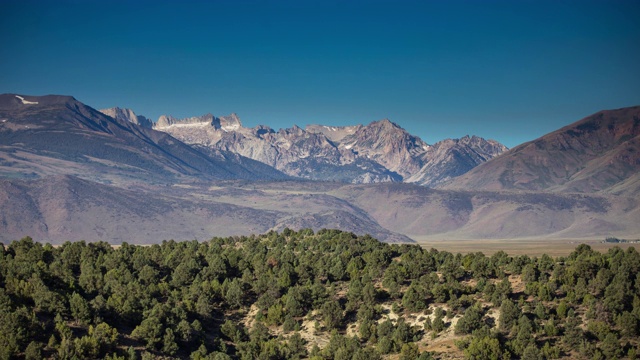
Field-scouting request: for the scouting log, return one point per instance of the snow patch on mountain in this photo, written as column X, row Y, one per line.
column 26, row 102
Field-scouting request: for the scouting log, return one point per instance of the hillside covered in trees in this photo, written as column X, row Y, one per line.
column 324, row 295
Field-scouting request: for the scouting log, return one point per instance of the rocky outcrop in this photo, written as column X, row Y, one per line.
column 166, row 121
column 224, row 123
column 127, row 115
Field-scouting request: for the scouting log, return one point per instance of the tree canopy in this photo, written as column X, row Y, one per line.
column 300, row 294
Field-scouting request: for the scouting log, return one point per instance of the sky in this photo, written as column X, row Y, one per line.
column 505, row 70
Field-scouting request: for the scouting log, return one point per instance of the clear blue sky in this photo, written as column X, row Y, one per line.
column 507, row 70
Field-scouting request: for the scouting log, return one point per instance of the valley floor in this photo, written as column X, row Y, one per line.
column 514, row 247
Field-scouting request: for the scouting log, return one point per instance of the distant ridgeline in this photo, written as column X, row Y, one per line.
column 324, row 295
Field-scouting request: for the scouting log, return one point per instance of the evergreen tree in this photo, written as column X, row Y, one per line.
column 331, row 314
column 471, row 320
column 572, row 332
column 79, row 309
column 509, row 315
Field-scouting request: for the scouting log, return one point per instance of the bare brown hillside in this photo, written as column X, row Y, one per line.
column 600, row 153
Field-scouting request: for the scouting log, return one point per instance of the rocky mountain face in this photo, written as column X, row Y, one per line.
column 58, row 135
column 378, row 152
column 450, row 158
column 128, row 115
column 225, row 123
column 600, row 153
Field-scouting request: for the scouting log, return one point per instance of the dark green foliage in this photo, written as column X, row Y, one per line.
column 531, row 352
column 599, row 329
column 471, row 320
column 438, row 323
column 562, row 309
column 550, row 352
column 611, row 347
column 402, row 334
column 234, row 293
column 385, row 345
column 233, row 331
column 33, row 351
column 628, row 324
column 105, row 336
column 530, row 273
column 17, row 328
column 415, row 298
column 296, row 346
column 169, row 345
column 289, row 324
column 409, row 352
column 572, row 332
column 150, row 331
column 484, row 348
column 79, row 309
column 509, row 315
column 551, row 328
column 191, row 299
column 524, row 336
column 331, row 314
column 540, row 311
column 502, row 291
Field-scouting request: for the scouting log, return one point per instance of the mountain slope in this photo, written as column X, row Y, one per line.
column 67, row 208
column 450, row 158
column 389, row 145
column 422, row 213
column 59, row 135
column 61, row 208
column 600, row 153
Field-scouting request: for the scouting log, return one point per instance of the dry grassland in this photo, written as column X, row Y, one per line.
column 551, row 247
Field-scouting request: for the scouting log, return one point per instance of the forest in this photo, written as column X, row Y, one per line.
column 316, row 295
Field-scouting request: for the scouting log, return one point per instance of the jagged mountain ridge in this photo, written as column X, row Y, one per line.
column 600, row 153
column 128, row 115
column 58, row 135
column 381, row 151
column 226, row 123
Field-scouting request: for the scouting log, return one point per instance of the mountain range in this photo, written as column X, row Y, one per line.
column 70, row 172
column 378, row 152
